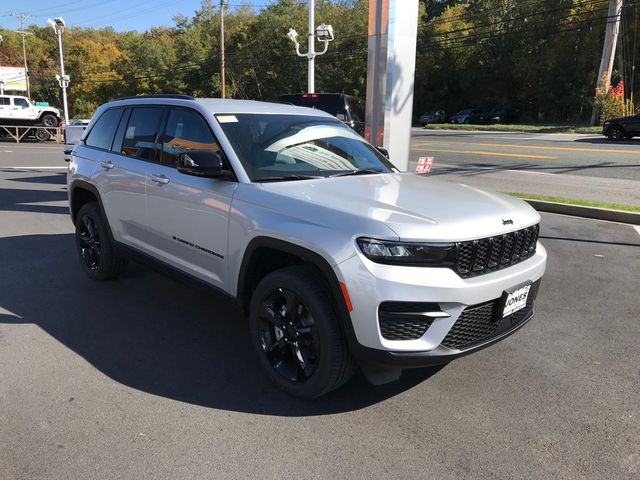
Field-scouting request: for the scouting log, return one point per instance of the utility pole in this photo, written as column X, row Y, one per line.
column 23, row 33
column 609, row 48
column 223, row 4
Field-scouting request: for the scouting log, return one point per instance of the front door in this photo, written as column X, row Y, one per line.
column 188, row 216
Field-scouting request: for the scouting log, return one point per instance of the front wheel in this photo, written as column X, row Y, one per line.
column 295, row 333
column 615, row 133
column 49, row 120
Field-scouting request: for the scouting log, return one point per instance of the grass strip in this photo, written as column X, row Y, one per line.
column 517, row 128
column 576, row 201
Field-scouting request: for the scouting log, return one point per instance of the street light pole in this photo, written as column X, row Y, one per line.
column 311, row 55
column 58, row 26
column 324, row 34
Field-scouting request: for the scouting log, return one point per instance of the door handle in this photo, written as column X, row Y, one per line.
column 160, row 179
column 107, row 165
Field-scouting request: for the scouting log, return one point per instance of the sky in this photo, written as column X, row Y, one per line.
column 119, row 14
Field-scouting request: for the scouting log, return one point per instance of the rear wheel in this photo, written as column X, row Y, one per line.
column 97, row 255
column 49, row 120
column 615, row 133
column 295, row 333
column 41, row 134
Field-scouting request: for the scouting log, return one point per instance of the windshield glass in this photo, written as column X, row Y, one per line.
column 273, row 147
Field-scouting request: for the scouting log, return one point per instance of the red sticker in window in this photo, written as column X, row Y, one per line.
column 424, row 165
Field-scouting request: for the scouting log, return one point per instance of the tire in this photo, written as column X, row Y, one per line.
column 95, row 251
column 308, row 357
column 41, row 134
column 49, row 120
column 615, row 133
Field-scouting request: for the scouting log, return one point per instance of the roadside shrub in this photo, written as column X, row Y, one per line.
column 610, row 100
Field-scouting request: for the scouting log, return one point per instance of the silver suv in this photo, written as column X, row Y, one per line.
column 338, row 259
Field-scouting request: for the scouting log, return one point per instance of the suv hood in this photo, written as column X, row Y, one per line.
column 415, row 207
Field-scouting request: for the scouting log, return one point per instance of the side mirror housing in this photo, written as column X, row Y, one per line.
column 383, row 151
column 202, row 163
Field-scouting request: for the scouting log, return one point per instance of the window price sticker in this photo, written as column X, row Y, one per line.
column 424, row 165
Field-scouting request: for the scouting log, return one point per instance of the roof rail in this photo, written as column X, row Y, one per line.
column 159, row 95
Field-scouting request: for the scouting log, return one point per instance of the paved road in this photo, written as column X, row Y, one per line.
column 145, row 377
column 577, row 166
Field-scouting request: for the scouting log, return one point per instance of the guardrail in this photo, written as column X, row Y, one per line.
column 40, row 133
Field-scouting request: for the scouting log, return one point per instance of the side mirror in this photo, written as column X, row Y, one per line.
column 383, row 151
column 202, row 163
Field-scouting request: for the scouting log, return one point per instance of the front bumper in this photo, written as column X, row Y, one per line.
column 440, row 355
column 370, row 284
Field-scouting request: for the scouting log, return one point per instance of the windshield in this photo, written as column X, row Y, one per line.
column 290, row 147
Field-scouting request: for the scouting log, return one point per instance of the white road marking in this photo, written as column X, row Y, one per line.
column 637, row 228
column 33, row 168
column 8, row 151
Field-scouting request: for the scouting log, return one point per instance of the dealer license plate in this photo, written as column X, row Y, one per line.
column 516, row 300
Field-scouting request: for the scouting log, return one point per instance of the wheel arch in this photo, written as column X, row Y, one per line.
column 252, row 270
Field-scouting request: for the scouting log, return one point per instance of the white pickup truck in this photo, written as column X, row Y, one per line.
column 17, row 110
column 72, row 134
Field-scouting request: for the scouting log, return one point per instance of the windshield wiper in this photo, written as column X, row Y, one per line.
column 362, row 171
column 287, row 177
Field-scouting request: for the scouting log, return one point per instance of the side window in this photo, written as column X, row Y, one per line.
column 142, row 130
column 5, row 101
column 186, row 130
column 101, row 134
column 20, row 102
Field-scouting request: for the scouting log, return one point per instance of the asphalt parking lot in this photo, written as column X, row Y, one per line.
column 146, row 377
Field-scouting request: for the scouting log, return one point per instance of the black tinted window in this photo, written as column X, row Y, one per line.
column 186, row 130
column 140, row 135
column 5, row 101
column 101, row 135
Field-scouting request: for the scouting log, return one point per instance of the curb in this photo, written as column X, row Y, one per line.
column 619, row 216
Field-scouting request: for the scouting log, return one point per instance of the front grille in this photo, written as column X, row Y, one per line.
column 477, row 324
column 402, row 320
column 476, row 257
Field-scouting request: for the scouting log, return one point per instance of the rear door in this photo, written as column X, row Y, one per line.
column 6, row 109
column 188, row 216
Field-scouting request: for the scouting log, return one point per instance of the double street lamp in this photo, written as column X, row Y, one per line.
column 324, row 34
column 59, row 26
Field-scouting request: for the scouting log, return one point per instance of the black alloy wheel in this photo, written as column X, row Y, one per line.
column 288, row 335
column 97, row 255
column 296, row 335
column 615, row 133
column 89, row 240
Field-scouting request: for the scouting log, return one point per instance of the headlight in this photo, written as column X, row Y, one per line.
column 408, row 253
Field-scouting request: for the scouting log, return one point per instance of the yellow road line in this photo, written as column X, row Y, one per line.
column 538, row 147
column 491, row 154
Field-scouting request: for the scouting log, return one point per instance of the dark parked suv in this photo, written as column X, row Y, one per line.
column 346, row 108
